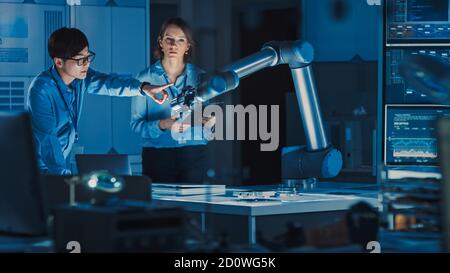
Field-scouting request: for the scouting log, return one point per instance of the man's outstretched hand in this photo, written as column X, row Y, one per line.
column 153, row 90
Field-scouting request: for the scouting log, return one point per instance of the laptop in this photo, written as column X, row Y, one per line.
column 113, row 163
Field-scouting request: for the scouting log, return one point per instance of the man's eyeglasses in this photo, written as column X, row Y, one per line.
column 171, row 41
column 82, row 61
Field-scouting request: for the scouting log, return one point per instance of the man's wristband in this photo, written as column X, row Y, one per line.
column 141, row 87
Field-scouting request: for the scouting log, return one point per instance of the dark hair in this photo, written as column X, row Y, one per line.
column 179, row 22
column 66, row 43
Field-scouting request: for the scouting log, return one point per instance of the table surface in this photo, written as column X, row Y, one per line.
column 327, row 196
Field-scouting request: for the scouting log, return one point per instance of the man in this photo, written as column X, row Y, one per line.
column 56, row 96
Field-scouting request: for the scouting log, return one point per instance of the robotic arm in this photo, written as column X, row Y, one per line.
column 318, row 159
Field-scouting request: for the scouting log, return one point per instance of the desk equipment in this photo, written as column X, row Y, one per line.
column 186, row 189
column 57, row 189
column 109, row 224
column 120, row 227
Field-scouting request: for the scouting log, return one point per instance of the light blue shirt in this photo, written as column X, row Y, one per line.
column 146, row 113
column 55, row 110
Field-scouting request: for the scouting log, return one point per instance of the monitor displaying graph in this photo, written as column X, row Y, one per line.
column 410, row 134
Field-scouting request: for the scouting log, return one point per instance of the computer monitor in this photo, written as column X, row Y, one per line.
column 410, row 134
column 417, row 21
column 399, row 90
column 22, row 210
column 114, row 163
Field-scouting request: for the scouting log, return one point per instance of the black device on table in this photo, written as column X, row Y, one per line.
column 119, row 228
column 113, row 163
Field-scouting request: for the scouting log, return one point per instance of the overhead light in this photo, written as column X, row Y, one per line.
column 73, row 2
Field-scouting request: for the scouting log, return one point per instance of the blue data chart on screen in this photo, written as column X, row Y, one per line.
column 412, row 20
column 411, row 134
column 397, row 91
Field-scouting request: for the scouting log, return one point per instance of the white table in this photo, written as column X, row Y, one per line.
column 328, row 196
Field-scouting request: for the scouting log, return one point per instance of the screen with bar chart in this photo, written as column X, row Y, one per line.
column 411, row 134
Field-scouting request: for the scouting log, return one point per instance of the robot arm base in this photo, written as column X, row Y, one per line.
column 299, row 163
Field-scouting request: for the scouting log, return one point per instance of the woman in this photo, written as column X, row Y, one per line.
column 165, row 158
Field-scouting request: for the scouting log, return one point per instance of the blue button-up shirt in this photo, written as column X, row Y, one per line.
column 55, row 109
column 146, row 114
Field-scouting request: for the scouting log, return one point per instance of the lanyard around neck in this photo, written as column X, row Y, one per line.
column 170, row 88
column 72, row 114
